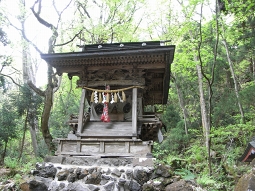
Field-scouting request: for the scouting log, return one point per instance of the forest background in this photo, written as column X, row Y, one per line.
column 209, row 117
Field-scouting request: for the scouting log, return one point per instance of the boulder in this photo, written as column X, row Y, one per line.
column 109, row 186
column 140, row 175
column 62, row 175
column 181, row 185
column 82, row 173
column 45, row 171
column 94, row 178
column 164, row 171
column 93, row 187
column 76, row 186
column 56, row 186
column 132, row 185
column 116, row 172
column 105, row 179
column 129, row 174
column 148, row 187
column 71, row 177
column 246, row 182
column 34, row 185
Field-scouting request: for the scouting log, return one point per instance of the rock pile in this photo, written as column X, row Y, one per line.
column 56, row 177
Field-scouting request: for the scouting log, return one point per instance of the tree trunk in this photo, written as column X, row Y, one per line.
column 4, row 152
column 235, row 82
column 182, row 105
column 48, row 102
column 204, row 114
column 24, row 135
column 205, row 117
column 28, row 74
column 229, row 79
column 253, row 68
column 32, row 129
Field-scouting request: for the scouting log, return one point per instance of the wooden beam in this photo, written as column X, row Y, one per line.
column 134, row 114
column 138, row 82
column 146, row 65
column 81, row 112
column 77, row 68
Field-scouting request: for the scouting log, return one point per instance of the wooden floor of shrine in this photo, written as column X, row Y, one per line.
column 107, row 129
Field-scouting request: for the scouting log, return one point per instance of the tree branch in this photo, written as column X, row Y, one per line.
column 39, row 6
column 11, row 79
column 2, row 68
column 37, row 90
column 60, row 13
column 42, row 21
column 69, row 40
column 84, row 9
column 24, row 35
column 200, row 44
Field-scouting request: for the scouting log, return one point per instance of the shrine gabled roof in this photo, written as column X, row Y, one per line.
column 249, row 153
column 131, row 63
column 104, row 53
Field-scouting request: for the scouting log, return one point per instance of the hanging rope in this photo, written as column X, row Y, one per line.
column 112, row 91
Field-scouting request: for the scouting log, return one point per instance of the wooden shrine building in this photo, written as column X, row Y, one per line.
column 249, row 153
column 117, row 80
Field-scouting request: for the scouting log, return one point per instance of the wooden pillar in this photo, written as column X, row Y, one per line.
column 78, row 146
column 134, row 114
column 81, row 113
column 102, row 147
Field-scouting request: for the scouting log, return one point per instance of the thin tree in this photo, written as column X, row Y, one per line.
column 182, row 105
column 231, row 66
column 205, row 105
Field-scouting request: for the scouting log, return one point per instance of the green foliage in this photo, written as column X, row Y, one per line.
column 66, row 102
column 11, row 162
column 175, row 141
column 170, row 117
column 158, row 152
column 26, row 165
column 238, row 134
column 8, row 123
column 206, row 181
column 18, row 168
column 3, row 37
column 185, row 174
column 28, row 100
column 42, row 150
column 17, row 177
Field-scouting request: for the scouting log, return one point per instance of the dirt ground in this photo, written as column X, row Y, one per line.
column 4, row 171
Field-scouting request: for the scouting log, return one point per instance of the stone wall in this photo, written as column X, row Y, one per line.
column 114, row 174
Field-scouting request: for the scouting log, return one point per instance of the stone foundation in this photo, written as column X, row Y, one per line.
column 106, row 174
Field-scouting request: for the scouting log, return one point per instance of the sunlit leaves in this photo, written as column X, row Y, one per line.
column 107, row 21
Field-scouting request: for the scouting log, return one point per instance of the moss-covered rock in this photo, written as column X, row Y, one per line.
column 246, row 182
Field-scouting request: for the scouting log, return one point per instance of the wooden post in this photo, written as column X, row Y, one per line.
column 78, row 146
column 134, row 114
column 102, row 147
column 81, row 112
